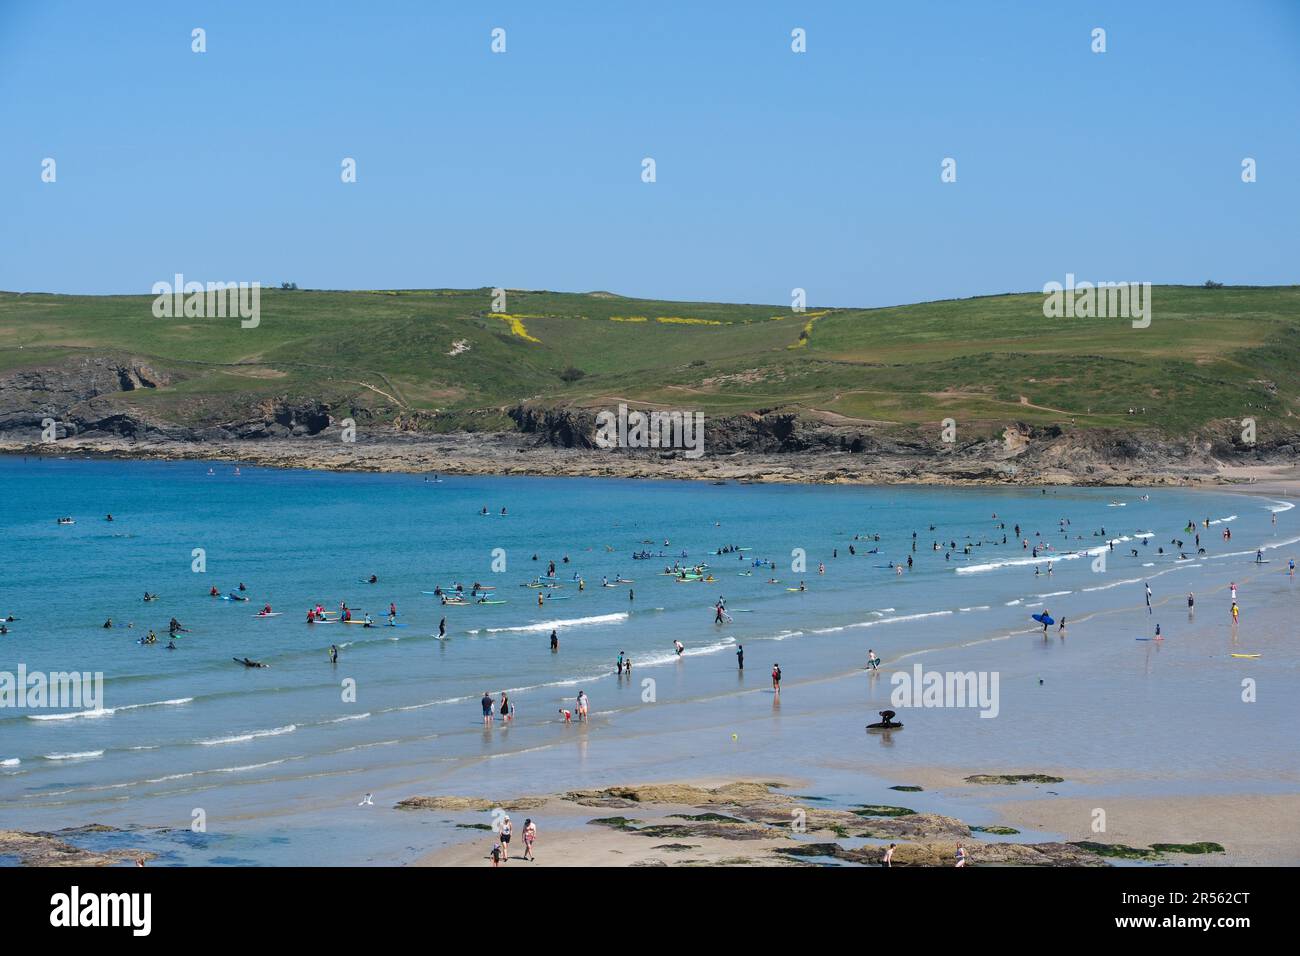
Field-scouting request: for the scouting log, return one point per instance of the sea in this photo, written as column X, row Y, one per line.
column 202, row 760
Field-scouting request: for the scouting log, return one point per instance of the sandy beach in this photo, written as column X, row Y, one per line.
column 708, row 823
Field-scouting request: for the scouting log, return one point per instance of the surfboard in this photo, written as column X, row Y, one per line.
column 272, row 614
column 496, row 602
column 1043, row 618
column 1251, row 656
column 796, row 589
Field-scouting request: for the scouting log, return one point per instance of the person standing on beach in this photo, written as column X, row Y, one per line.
column 530, row 837
column 582, row 705
column 506, row 831
column 776, row 678
column 740, row 656
column 619, row 663
column 1235, row 612
column 487, row 709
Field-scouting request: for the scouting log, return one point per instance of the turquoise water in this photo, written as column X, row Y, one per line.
column 277, row 759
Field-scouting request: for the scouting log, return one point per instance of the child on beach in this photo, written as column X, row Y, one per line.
column 776, row 678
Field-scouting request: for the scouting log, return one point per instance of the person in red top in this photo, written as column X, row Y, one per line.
column 776, row 678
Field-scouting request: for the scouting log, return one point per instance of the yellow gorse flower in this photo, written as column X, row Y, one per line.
column 516, row 325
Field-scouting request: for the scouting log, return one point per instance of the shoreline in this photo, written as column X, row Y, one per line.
column 513, row 455
column 1146, row 816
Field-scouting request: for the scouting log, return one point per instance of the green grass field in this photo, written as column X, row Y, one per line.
column 1209, row 354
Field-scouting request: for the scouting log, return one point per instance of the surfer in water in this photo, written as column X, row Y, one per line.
column 247, row 663
column 334, row 654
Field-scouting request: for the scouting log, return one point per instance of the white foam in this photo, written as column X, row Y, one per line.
column 252, row 734
column 83, row 755
column 10, row 762
column 339, row 720
column 1114, row 584
column 883, row 620
column 109, row 711
column 561, row 623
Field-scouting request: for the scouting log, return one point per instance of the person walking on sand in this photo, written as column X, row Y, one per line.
column 487, row 709
column 530, row 837
column 506, row 831
column 1235, row 612
column 496, row 854
column 776, row 678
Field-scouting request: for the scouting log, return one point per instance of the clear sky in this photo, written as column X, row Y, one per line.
column 775, row 170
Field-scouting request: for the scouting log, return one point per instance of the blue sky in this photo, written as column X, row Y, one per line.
column 775, row 170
